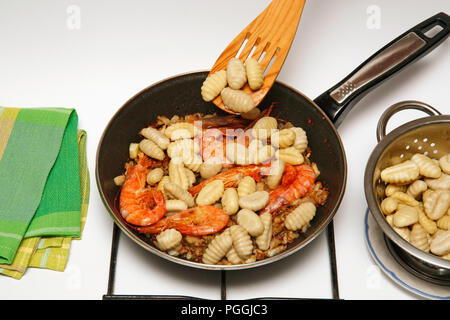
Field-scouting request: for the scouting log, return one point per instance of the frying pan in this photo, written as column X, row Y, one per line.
column 180, row 95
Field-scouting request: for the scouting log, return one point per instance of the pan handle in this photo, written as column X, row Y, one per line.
column 399, row 106
column 402, row 51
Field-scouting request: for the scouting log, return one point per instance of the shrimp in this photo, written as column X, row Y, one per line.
column 197, row 221
column 296, row 182
column 232, row 176
column 139, row 205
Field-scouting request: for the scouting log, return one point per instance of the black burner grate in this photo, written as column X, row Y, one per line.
column 110, row 295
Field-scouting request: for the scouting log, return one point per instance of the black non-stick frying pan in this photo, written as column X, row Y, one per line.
column 180, row 95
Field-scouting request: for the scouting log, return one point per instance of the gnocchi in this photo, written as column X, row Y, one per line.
column 213, row 85
column 210, row 168
column 155, row 176
column 133, row 150
column 283, row 138
column 419, row 238
column 440, row 243
column 405, row 216
column 254, row 201
column 427, row 167
column 263, row 240
column 242, row 242
column 301, row 139
column 230, row 201
column 264, row 128
column 119, row 180
column 389, row 205
column 246, row 186
column 290, row 155
column 444, row 162
column 416, row 188
column 441, row 183
column 276, row 172
column 179, row 193
column 250, row 221
column 417, row 202
column 255, row 73
column 300, row 217
column 151, row 149
column 237, row 153
column 175, row 205
column 402, row 173
column 237, row 100
column 156, row 136
column 218, row 248
column 236, row 74
column 210, row 193
column 177, row 174
column 168, row 239
column 211, row 206
column 180, row 130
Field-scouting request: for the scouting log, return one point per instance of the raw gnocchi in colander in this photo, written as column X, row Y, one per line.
column 403, row 173
column 444, row 162
column 417, row 202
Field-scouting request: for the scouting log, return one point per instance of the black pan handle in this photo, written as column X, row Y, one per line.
column 407, row 48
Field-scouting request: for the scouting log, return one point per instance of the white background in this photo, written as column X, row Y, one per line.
column 95, row 61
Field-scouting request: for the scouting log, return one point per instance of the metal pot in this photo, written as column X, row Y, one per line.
column 428, row 135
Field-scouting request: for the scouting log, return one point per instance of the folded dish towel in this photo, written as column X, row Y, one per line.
column 51, row 252
column 40, row 181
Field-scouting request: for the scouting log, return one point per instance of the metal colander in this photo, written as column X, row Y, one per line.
column 429, row 135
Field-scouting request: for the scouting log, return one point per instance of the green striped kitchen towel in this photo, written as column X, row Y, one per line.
column 39, row 176
column 51, row 252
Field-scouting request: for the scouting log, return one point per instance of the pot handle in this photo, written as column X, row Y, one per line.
column 403, row 105
column 402, row 51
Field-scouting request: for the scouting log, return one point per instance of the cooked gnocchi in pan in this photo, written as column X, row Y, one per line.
column 235, row 198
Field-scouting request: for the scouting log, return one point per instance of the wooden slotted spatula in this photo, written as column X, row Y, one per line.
column 268, row 38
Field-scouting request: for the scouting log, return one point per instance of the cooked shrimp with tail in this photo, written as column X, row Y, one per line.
column 198, row 221
column 296, row 182
column 140, row 205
